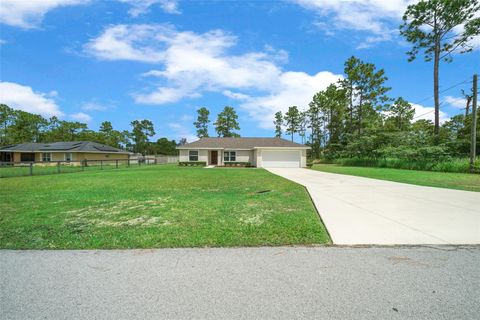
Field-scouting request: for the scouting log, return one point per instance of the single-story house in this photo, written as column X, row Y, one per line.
column 259, row 152
column 60, row 151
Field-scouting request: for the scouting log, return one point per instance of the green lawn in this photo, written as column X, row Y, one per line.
column 154, row 207
column 461, row 181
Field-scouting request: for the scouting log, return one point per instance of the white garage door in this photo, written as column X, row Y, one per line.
column 281, row 159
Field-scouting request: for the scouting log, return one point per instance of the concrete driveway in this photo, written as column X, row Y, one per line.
column 359, row 210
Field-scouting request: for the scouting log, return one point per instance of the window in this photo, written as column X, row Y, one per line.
column 46, row 157
column 68, row 156
column 229, row 156
column 27, row 157
column 193, row 155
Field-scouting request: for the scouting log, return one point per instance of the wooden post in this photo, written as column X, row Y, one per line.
column 116, row 164
column 101, row 164
column 58, row 166
column 31, row 168
column 473, row 146
column 82, row 164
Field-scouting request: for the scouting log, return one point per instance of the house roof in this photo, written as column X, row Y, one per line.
column 241, row 143
column 74, row 146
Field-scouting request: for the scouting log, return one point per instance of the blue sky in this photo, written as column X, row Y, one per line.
column 122, row 60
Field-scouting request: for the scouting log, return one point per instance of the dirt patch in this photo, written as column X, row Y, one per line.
column 120, row 214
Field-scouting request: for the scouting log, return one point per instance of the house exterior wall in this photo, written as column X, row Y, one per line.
column 252, row 156
column 79, row 156
column 202, row 155
column 241, row 155
column 303, row 162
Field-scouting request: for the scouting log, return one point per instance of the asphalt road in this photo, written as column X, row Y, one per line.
column 243, row 283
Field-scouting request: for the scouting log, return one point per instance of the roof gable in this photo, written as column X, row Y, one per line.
column 242, row 143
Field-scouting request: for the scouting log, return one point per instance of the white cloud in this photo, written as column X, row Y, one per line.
column 193, row 63
column 293, row 88
column 181, row 131
column 2, row 42
column 374, row 16
column 95, row 106
column 459, row 103
column 24, row 98
column 123, row 42
column 380, row 18
column 140, row 7
column 427, row 113
column 81, row 116
column 29, row 13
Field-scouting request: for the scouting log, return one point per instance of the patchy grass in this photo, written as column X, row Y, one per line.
column 155, row 207
column 460, row 181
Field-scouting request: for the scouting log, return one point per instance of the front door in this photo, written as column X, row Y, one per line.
column 214, row 157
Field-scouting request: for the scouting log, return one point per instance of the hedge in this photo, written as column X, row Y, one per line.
column 192, row 163
column 237, row 164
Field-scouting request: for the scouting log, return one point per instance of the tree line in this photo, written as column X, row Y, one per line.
column 355, row 118
column 17, row 126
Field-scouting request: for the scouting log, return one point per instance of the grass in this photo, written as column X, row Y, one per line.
column 460, row 181
column 156, row 207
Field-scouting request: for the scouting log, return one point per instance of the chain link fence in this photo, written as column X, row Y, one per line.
column 18, row 169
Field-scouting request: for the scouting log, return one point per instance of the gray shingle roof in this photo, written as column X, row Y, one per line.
column 242, row 143
column 74, row 146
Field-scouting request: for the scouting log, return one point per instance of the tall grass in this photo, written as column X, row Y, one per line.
column 460, row 165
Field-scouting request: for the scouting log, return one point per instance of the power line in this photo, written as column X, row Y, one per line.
column 444, row 90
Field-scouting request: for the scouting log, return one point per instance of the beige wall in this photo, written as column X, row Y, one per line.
column 242, row 155
column 303, row 164
column 252, row 156
column 99, row 156
column 202, row 155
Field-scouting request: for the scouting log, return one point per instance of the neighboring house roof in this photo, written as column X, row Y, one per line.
column 241, row 143
column 75, row 146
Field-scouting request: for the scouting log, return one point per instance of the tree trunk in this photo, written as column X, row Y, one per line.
column 467, row 109
column 360, row 115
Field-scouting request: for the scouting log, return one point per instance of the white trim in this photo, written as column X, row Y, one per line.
column 229, row 155
column 193, row 148
column 50, row 156
column 283, row 148
column 198, row 155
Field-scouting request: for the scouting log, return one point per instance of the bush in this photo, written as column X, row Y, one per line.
column 192, row 163
column 237, row 164
column 460, row 165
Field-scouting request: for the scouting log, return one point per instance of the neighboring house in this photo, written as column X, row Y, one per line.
column 259, row 152
column 60, row 151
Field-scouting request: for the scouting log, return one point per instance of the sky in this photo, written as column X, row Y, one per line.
column 122, row 60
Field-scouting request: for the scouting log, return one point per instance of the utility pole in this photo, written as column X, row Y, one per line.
column 473, row 146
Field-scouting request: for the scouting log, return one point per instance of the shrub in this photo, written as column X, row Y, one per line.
column 460, row 165
column 237, row 164
column 192, row 163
